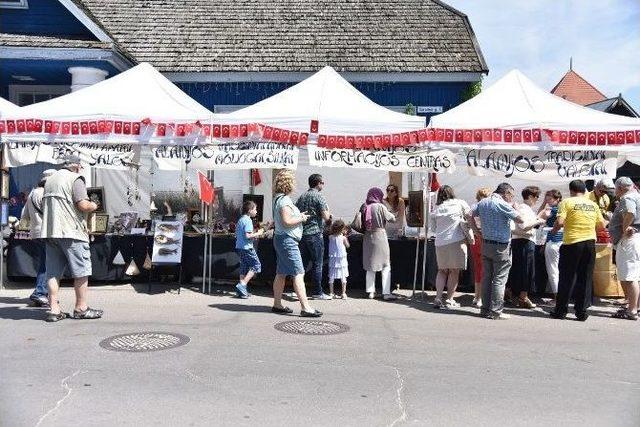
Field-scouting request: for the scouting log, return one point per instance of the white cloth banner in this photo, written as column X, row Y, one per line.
column 103, row 156
column 401, row 159
column 542, row 165
column 234, row 155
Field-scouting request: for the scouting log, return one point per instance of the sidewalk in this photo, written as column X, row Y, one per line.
column 400, row 363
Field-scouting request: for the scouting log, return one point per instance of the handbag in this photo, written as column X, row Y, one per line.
column 356, row 224
column 466, row 229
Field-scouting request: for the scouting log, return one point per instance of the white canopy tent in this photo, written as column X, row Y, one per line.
column 340, row 109
column 7, row 108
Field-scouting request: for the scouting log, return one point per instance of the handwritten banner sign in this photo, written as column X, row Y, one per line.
column 401, row 159
column 102, row 156
column 542, row 165
column 234, row 155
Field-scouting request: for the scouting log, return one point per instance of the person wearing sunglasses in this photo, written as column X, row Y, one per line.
column 396, row 206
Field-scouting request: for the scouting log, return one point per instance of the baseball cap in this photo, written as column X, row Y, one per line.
column 606, row 183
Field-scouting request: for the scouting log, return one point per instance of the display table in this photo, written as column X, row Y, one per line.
column 21, row 261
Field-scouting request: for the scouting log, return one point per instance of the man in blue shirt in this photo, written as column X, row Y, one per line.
column 495, row 213
column 312, row 244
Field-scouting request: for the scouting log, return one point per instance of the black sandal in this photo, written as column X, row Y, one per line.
column 89, row 313
column 624, row 314
column 314, row 313
column 281, row 310
column 55, row 317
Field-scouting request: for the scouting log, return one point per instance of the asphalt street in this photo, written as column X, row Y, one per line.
column 400, row 363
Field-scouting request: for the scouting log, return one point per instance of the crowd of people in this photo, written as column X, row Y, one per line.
column 496, row 232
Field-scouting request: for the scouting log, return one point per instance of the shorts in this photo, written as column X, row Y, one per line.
column 68, row 253
column 628, row 258
column 452, row 256
column 288, row 258
column 248, row 261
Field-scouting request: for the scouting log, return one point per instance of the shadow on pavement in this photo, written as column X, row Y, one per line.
column 22, row 313
column 242, row 307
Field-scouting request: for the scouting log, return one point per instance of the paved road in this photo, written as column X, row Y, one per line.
column 401, row 363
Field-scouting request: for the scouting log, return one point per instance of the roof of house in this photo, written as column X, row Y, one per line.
column 19, row 40
column 615, row 105
column 291, row 35
column 574, row 88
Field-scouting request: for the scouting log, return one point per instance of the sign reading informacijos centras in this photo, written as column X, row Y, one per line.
column 544, row 165
column 233, row 155
column 399, row 159
column 99, row 155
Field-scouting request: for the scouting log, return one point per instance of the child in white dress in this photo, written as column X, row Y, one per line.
column 338, row 264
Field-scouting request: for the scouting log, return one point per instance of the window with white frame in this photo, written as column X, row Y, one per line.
column 14, row 4
column 30, row 94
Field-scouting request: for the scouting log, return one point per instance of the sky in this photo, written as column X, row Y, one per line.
column 539, row 36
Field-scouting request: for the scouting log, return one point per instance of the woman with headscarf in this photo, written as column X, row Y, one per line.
column 375, row 246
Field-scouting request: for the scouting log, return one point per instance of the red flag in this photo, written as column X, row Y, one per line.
column 526, row 135
column 314, row 126
column 582, row 138
column 435, row 185
column 255, row 177
column 2, row 126
column 422, row 135
column 207, row 194
column 467, row 136
column 304, row 138
column 322, row 141
column 351, row 142
column 66, row 128
column 477, row 135
column 536, row 135
column 459, row 135
column 592, row 138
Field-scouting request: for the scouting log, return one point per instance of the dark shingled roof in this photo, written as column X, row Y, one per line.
column 19, row 40
column 291, row 35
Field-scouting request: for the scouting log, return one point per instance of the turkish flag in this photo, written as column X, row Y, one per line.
column 304, row 139
column 413, row 137
column 55, row 127
column 582, row 138
column 592, row 138
column 207, row 195
column 30, row 125
column 268, row 133
column 332, row 141
column 536, row 135
column 108, row 126
column 275, row 136
column 526, row 135
column 84, row 128
column 341, row 142
column 244, row 131
column 322, row 141
column 234, row 131
column 477, row 135
column 11, row 126
column 102, row 126
column 439, row 135
column 422, row 135
column 359, row 145
column 37, row 126
column 517, row 136
column 255, row 177
column 405, row 138
column 217, row 131
column 3, row 126
column 602, row 138
column 294, row 138
column 386, row 141
column 117, row 127
column 21, row 126
column 611, row 137
column 93, row 128
column 619, row 137
column 351, row 142
column 284, row 136
column 47, row 126
column 368, row 142
column 180, row 130
column 251, row 129
column 459, row 135
column 487, row 135
column 508, row 136
column 314, row 126
column 126, row 128
column 431, row 134
column 638, row 136
column 629, row 137
column 573, row 137
column 435, row 185
column 135, row 128
column 161, row 129
column 377, row 142
column 467, row 136
column 497, row 135
column 448, row 135
column 226, row 131
column 395, row 139
column 66, row 128
column 563, row 136
column 206, row 130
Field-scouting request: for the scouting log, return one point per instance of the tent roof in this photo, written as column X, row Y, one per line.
column 515, row 102
column 327, row 97
column 138, row 93
column 7, row 107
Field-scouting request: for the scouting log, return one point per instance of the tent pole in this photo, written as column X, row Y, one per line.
column 426, row 187
column 417, row 261
column 210, row 233
column 204, row 251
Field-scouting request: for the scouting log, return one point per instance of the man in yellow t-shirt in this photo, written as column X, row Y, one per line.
column 580, row 218
column 600, row 196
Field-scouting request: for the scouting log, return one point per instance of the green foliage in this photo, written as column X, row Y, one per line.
column 410, row 109
column 472, row 90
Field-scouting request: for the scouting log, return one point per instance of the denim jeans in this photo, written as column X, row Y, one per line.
column 312, row 248
column 496, row 262
column 41, row 278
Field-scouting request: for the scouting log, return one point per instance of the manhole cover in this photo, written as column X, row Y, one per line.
column 311, row 327
column 139, row 342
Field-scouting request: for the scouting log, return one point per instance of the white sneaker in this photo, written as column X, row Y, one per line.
column 477, row 302
column 344, row 296
column 452, row 303
column 372, row 295
column 502, row 316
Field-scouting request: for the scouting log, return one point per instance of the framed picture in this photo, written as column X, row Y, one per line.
column 194, row 216
column 167, row 242
column 96, row 195
column 415, row 217
column 4, row 188
column 128, row 220
column 98, row 223
column 258, row 199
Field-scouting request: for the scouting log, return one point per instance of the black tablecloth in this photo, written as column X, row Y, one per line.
column 21, row 263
